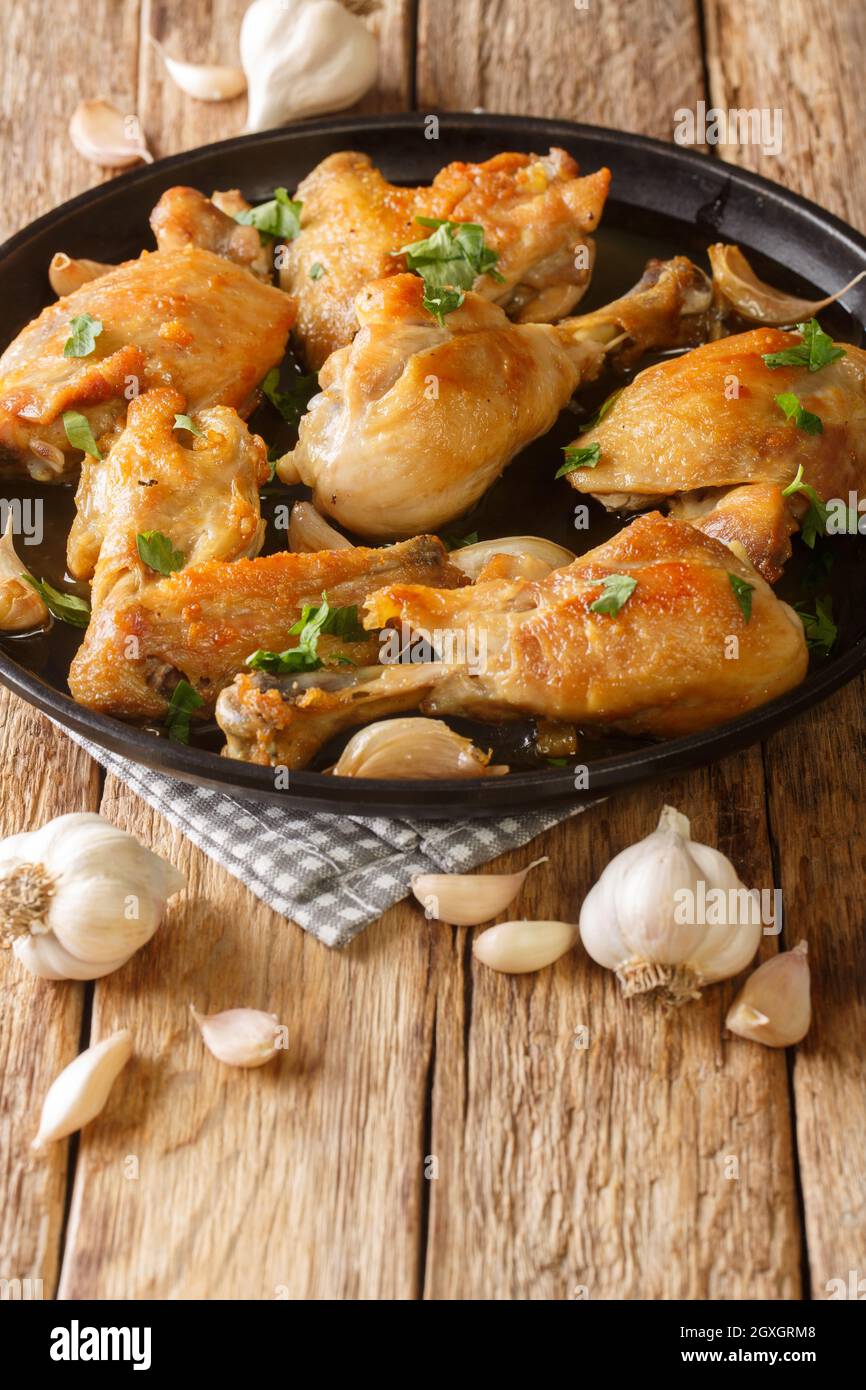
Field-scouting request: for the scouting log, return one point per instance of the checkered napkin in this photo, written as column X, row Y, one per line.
column 331, row 874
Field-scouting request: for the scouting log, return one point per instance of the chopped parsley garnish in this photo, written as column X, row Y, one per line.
column 82, row 339
column 293, row 401
column 789, row 404
column 459, row 542
column 185, row 422
column 816, row 350
column 317, row 270
column 603, row 409
column 438, row 300
column 814, row 523
column 184, row 700
column 279, row 218
column 79, row 433
column 455, row 254
column 156, row 550
column 337, row 622
column 821, row 631
column 69, row 608
column 618, row 589
column 743, row 591
column 579, row 456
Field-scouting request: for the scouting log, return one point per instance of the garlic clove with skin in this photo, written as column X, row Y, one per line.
column 106, row 137
column 309, row 531
column 21, row 606
column 412, row 747
column 204, row 81
column 737, row 282
column 642, row 920
column 465, row 900
column 79, row 1093
column 241, row 1037
column 520, row 948
column 774, row 1007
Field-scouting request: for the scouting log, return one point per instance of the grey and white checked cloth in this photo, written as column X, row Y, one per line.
column 333, row 875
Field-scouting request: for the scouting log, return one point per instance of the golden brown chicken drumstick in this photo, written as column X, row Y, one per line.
column 414, row 420
column 635, row 636
column 713, row 419
column 536, row 213
column 186, row 318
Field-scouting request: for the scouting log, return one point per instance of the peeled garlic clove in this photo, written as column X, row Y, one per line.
column 21, row 607
column 241, row 1037
column 204, row 81
column 80, row 1091
column 471, row 559
column 66, row 275
column 309, row 531
column 106, row 137
column 753, row 299
column 774, row 1006
column 464, row 900
column 517, row 948
column 413, row 747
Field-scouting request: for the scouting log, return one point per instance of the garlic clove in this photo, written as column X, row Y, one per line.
column 518, row 948
column 66, row 275
column 465, row 900
column 106, row 137
column 241, row 1037
column 45, row 958
column 309, row 531
column 204, row 81
column 774, row 1006
column 412, row 747
column 80, row 1091
column 753, row 299
column 21, row 607
column 472, row 559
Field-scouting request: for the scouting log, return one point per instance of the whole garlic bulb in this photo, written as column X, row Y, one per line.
column 78, row 897
column 302, row 58
column 636, row 920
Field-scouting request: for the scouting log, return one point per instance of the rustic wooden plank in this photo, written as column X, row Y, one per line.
column 610, row 65
column 815, row 773
column 42, row 774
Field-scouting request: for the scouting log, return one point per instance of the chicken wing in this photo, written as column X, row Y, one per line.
column 414, row 420
column 678, row 656
column 536, row 212
column 711, row 419
column 185, row 318
column 185, row 217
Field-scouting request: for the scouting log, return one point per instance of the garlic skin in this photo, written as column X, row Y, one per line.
column 204, row 81
column 79, row 1093
column 412, row 747
column 774, row 1007
column 240, row 1037
column 78, row 897
column 21, row 607
column 101, row 134
column 466, row 900
column 753, row 299
column 309, row 531
column 520, row 948
column 303, row 58
column 628, row 920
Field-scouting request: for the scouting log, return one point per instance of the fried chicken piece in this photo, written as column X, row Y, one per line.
column 754, row 520
column 185, row 217
column 187, row 318
column 414, row 421
column 663, row 665
column 536, row 212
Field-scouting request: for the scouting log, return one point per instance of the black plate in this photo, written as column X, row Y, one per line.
column 664, row 199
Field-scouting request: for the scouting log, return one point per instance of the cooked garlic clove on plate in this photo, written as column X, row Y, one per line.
column 412, row 747
column 21, row 607
column 755, row 300
column 471, row 559
column 465, row 900
column 309, row 531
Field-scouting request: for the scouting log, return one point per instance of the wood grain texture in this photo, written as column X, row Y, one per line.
column 810, row 69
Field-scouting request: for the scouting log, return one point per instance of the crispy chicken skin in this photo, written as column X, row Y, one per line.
column 663, row 665
column 185, row 318
column 754, row 520
column 709, row 419
column 414, row 421
column 536, row 212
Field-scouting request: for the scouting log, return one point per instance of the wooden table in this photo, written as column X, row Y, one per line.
column 561, row 1171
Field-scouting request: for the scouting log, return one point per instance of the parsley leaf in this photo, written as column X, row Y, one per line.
column 821, row 631
column 185, row 422
column 603, row 409
column 459, row 542
column 814, row 523
column 815, row 351
column 338, row 622
column 317, row 270
column 743, row 591
column 82, row 339
column 279, row 218
column 79, row 433
column 69, row 608
column 579, row 456
column 156, row 550
column 618, row 589
column 292, row 402
column 440, row 301
column 789, row 404
column 454, row 255
column 184, row 700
